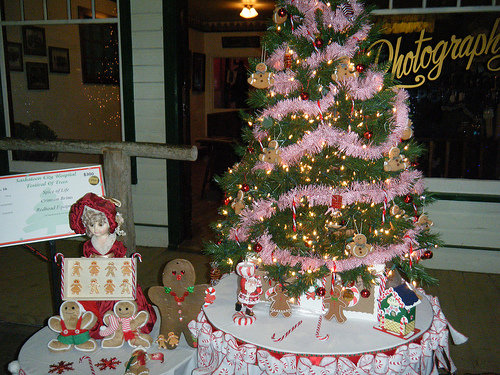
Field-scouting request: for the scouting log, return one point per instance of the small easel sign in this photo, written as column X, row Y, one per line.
column 87, row 279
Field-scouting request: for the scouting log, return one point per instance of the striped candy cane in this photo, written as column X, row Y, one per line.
column 294, row 216
column 275, row 339
column 134, row 284
column 59, row 255
column 318, row 328
column 90, row 363
column 209, row 296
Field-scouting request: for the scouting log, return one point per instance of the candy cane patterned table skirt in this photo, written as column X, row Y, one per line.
column 222, row 349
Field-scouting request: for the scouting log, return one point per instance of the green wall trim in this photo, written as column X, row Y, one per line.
column 172, row 117
column 463, row 197
column 465, row 247
column 127, row 78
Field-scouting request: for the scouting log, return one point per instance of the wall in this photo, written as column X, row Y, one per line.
column 72, row 109
column 150, row 193
column 211, row 45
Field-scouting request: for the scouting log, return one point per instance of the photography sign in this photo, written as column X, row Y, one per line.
column 35, row 206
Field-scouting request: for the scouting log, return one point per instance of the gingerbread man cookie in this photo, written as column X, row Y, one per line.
column 179, row 301
column 238, row 205
column 122, row 324
column 72, row 324
column 261, row 79
column 345, row 70
column 358, row 247
column 335, row 305
column 395, row 161
column 271, row 154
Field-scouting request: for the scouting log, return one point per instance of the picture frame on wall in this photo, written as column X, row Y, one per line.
column 37, row 75
column 59, row 60
column 198, row 83
column 34, row 41
column 15, row 57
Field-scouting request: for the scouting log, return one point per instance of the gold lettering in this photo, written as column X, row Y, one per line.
column 456, row 43
column 427, row 49
column 419, row 42
column 439, row 60
column 492, row 39
column 467, row 43
column 490, row 68
column 480, row 38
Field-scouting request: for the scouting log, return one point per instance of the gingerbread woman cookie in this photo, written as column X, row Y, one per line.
column 72, row 325
column 335, row 305
column 179, row 301
column 279, row 303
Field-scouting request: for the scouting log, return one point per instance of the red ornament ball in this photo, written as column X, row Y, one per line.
column 427, row 254
column 368, row 134
column 318, row 42
column 282, row 12
column 320, row 291
column 365, row 293
column 304, row 95
column 408, row 198
column 226, row 201
column 360, row 68
column 257, row 247
column 245, row 187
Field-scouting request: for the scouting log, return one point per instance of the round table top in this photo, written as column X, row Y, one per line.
column 36, row 359
column 354, row 337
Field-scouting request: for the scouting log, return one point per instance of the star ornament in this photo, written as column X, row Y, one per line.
column 105, row 363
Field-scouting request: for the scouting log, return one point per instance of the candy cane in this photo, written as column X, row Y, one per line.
column 62, row 272
column 320, row 112
column 273, row 337
column 210, row 291
column 318, row 328
column 384, row 211
column 294, row 216
column 138, row 256
column 90, row 363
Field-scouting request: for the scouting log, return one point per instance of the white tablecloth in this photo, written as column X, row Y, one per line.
column 36, row 359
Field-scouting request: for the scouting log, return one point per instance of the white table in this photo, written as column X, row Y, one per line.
column 36, row 359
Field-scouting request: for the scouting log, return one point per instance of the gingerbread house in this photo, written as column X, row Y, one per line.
column 398, row 309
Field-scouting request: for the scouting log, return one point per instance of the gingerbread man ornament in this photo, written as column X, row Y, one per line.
column 72, row 324
column 358, row 247
column 335, row 305
column 271, row 154
column 179, row 301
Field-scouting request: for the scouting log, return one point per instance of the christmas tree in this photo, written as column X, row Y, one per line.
column 327, row 180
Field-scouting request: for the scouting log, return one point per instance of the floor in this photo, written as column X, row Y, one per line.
column 469, row 300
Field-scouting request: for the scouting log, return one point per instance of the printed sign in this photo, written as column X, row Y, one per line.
column 35, row 206
column 86, row 279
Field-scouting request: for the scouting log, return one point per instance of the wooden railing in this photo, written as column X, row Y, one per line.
column 117, row 169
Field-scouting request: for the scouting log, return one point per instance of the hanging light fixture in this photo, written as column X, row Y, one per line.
column 248, row 11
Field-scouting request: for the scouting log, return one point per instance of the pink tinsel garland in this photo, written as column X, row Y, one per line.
column 271, row 254
column 408, row 182
column 347, row 142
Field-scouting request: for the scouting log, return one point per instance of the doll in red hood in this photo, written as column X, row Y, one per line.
column 97, row 218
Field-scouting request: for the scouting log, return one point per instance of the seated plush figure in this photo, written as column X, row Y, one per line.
column 98, row 219
column 72, row 324
column 122, row 324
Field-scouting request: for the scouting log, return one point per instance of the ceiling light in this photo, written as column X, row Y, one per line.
column 248, row 11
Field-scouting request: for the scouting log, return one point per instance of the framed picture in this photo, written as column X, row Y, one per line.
column 14, row 57
column 58, row 60
column 37, row 75
column 198, row 72
column 34, row 41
